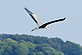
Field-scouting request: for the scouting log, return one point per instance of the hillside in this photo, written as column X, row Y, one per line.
column 35, row 45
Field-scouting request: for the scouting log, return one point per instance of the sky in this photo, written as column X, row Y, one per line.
column 15, row 20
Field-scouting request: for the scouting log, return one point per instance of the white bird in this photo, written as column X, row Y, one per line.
column 41, row 26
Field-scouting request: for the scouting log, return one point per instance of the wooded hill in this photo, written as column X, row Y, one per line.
column 35, row 45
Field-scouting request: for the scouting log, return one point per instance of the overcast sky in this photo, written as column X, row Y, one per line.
column 15, row 20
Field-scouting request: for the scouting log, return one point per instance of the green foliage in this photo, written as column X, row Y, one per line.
column 72, row 48
column 31, row 45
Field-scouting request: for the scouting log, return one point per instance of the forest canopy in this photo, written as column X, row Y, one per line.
column 35, row 45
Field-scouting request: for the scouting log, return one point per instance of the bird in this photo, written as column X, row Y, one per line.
column 37, row 21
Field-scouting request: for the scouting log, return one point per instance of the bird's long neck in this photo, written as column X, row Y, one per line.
column 35, row 29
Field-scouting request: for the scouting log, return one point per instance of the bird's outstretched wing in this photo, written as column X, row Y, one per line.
column 45, row 24
column 34, row 17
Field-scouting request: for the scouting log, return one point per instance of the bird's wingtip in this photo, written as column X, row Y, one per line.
column 25, row 8
column 64, row 18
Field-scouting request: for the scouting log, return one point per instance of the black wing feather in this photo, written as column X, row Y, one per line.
column 30, row 13
column 44, row 25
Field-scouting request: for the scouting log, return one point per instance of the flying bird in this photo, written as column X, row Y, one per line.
column 44, row 25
